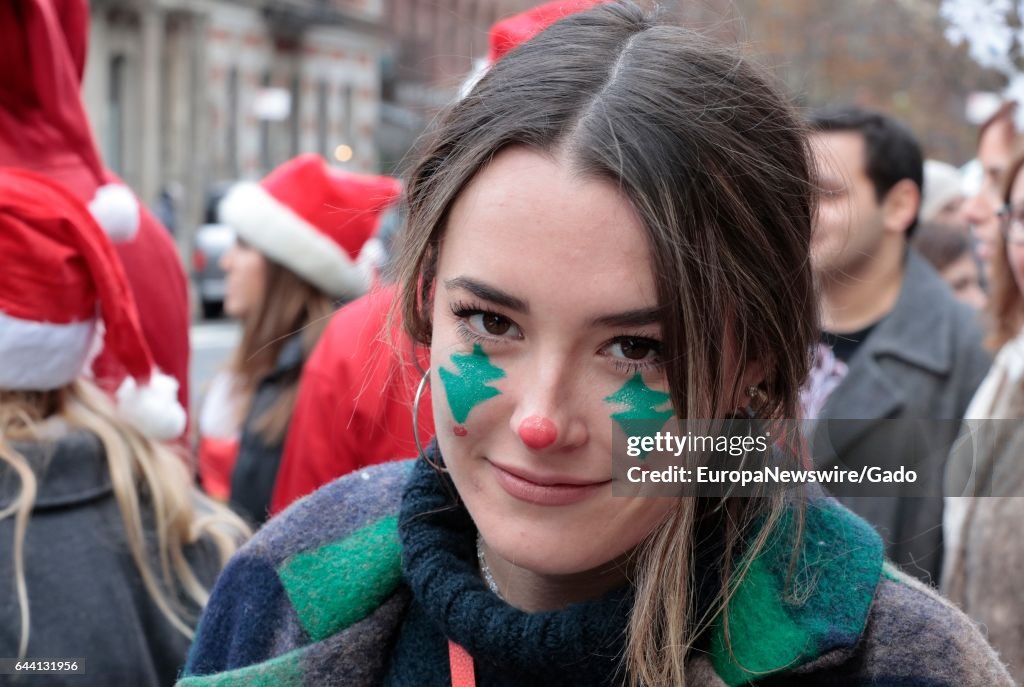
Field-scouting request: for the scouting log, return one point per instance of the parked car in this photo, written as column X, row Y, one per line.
column 211, row 240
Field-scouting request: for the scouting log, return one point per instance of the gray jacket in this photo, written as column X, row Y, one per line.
column 909, row 384
column 86, row 597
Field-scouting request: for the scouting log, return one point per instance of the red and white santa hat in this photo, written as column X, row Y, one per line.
column 509, row 33
column 316, row 221
column 61, row 287
column 43, row 125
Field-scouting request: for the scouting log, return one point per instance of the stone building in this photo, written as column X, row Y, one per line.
column 184, row 94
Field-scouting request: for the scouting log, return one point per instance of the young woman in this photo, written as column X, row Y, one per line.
column 304, row 243
column 108, row 549
column 982, row 534
column 613, row 224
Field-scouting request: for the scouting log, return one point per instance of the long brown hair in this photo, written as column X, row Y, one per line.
column 1006, row 303
column 290, row 304
column 146, row 477
column 716, row 165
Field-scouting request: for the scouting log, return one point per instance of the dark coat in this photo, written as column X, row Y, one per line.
column 86, row 597
column 908, row 386
column 317, row 598
column 252, row 482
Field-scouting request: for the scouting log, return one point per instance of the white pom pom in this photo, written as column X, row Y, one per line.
column 116, row 210
column 153, row 409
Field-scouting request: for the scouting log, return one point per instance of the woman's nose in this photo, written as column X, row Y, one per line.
column 546, row 417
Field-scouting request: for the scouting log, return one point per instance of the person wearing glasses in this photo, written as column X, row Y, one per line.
column 985, row 552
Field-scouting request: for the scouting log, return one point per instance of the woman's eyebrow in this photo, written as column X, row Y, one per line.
column 489, row 293
column 629, row 318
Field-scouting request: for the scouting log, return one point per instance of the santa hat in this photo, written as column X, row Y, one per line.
column 314, row 220
column 43, row 125
column 508, row 34
column 61, row 285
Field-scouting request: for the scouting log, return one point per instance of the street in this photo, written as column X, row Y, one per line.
column 212, row 343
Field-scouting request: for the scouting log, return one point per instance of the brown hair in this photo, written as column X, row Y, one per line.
column 290, row 304
column 1005, row 304
column 716, row 165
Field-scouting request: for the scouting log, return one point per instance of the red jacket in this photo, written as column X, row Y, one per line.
column 355, row 401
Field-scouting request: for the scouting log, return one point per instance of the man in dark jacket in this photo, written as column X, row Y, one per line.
column 899, row 358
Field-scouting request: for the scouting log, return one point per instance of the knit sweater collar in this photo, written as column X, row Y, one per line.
column 780, row 619
column 581, row 644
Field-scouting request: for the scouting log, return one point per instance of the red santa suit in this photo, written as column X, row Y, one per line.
column 355, row 401
column 43, row 127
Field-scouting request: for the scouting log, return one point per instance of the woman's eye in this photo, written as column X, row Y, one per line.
column 492, row 324
column 635, row 349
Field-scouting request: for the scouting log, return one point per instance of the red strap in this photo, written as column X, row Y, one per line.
column 462, row 666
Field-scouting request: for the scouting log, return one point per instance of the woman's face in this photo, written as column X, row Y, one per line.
column 246, row 271
column 544, row 326
column 1014, row 247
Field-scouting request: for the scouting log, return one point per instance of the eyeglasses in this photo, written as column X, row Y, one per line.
column 1011, row 223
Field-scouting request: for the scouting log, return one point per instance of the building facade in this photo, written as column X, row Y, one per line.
column 186, row 95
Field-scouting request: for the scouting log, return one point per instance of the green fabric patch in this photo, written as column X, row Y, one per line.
column 470, row 386
column 780, row 618
column 341, row 583
column 282, row 671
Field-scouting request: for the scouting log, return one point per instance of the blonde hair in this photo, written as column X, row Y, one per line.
column 144, row 475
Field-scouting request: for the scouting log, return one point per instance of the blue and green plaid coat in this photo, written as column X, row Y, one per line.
column 317, row 597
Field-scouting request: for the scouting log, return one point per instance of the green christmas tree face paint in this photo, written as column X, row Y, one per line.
column 642, row 406
column 469, row 386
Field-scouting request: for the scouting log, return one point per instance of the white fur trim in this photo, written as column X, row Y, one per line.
column 40, row 356
column 116, row 210
column 153, row 409
column 275, row 230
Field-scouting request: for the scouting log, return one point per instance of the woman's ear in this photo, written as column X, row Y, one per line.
column 753, row 375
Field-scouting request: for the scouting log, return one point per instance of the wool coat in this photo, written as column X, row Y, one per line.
column 318, row 597
column 985, row 551
column 86, row 596
column 900, row 405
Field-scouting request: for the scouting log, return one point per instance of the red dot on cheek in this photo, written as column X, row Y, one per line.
column 459, row 431
column 538, row 432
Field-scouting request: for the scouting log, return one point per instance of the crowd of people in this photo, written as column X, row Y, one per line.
column 404, row 474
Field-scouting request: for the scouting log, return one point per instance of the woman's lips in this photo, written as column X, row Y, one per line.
column 544, row 490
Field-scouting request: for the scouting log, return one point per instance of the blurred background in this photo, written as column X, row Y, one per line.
column 187, row 96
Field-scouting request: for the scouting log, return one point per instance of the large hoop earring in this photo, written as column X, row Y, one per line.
column 424, row 381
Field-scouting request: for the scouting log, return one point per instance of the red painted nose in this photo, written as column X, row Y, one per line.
column 538, row 432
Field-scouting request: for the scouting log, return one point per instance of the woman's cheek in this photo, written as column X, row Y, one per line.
column 470, row 382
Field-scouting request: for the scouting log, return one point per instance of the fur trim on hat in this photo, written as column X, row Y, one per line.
column 116, row 210
column 40, row 356
column 286, row 238
column 153, row 408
